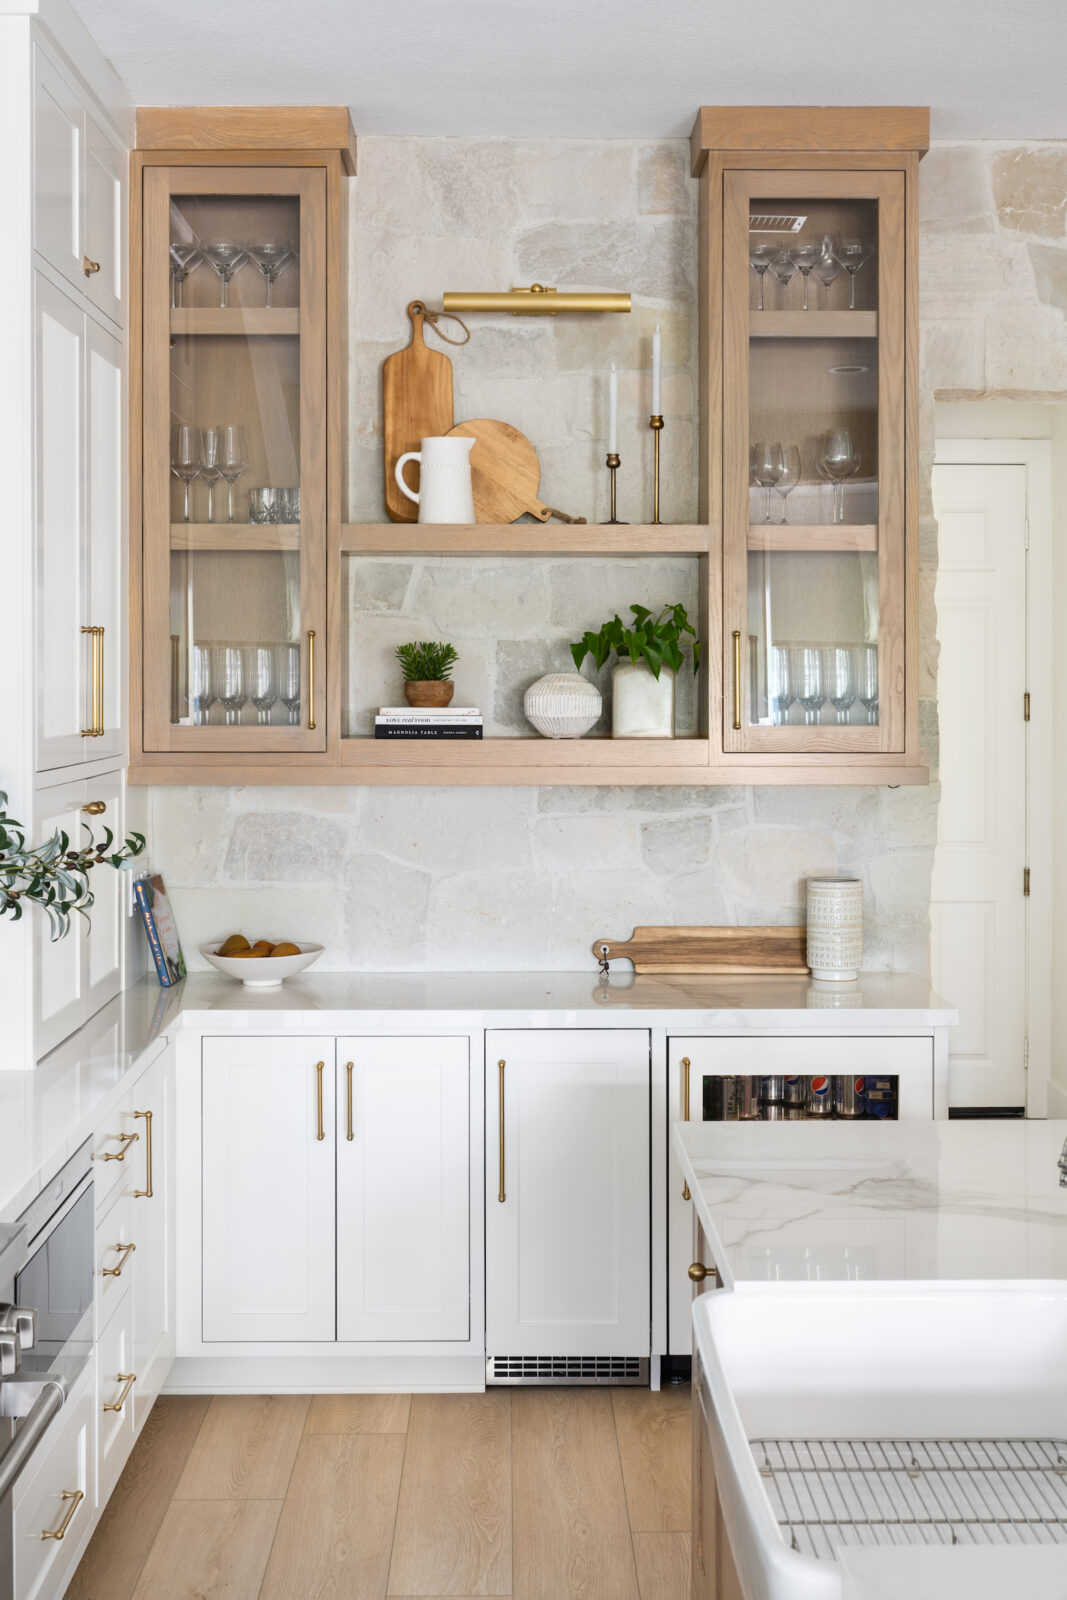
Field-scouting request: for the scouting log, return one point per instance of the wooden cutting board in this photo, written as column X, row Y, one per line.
column 781, row 950
column 416, row 405
column 505, row 473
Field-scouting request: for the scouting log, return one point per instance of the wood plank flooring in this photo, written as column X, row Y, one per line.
column 515, row 1494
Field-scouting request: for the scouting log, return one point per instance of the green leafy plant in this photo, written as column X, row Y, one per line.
column 426, row 661
column 53, row 876
column 659, row 641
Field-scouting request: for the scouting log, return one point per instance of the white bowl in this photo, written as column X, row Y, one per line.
column 263, row 972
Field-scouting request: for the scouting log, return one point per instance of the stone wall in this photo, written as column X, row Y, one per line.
column 510, row 878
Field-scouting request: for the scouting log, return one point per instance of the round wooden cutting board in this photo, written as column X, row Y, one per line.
column 505, row 472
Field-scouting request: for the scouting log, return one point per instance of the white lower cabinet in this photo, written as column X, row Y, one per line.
column 116, row 1387
column 403, row 1189
column 52, row 1510
column 151, row 1113
column 568, row 1269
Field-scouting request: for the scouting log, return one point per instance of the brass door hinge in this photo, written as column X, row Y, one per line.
column 1026, row 706
column 1026, row 880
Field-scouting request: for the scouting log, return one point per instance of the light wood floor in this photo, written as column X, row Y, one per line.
column 536, row 1494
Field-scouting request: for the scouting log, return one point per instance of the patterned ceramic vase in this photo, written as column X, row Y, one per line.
column 563, row 705
column 835, row 928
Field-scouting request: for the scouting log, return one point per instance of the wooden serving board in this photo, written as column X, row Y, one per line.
column 416, row 405
column 505, row 473
column 769, row 950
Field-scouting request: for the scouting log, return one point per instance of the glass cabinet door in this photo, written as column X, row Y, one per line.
column 234, row 476
column 813, row 461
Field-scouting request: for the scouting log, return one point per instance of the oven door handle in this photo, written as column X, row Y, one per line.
column 18, row 1453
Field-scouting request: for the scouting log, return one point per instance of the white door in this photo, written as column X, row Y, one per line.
column 151, row 1106
column 104, row 932
column 61, row 970
column 268, row 1189
column 63, row 652
column 105, row 606
column 57, row 170
column 105, row 164
column 403, row 1189
column 978, row 911
column 567, row 1193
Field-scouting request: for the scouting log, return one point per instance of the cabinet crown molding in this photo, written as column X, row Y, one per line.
column 814, row 128
column 238, row 128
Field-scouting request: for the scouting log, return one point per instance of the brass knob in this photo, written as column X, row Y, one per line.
column 89, row 267
column 95, row 808
column 698, row 1272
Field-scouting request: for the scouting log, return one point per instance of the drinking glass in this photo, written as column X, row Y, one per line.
column 840, row 459
column 767, row 467
column 842, row 681
column 853, row 254
column 789, row 476
column 784, row 267
column 811, row 680
column 230, row 670
column 183, row 258
column 805, row 258
column 225, row 256
column 203, row 685
column 262, row 505
column 210, row 470
column 289, row 505
column 760, row 257
column 865, row 662
column 287, row 667
column 783, row 692
column 272, row 258
column 186, row 457
column 233, row 459
column 827, row 268
column 262, row 680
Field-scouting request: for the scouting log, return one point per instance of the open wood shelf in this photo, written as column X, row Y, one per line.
column 243, row 536
column 235, row 320
column 813, row 324
column 532, row 754
column 813, row 536
column 522, row 539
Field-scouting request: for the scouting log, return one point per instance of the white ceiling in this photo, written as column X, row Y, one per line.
column 990, row 69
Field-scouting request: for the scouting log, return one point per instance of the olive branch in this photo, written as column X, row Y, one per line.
column 54, row 876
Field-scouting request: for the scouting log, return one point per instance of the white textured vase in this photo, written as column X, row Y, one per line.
column 835, row 928
column 642, row 706
column 563, row 705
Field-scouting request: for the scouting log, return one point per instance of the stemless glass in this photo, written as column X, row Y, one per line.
column 784, row 267
column 789, row 476
column 767, row 467
column 210, row 471
column 272, row 257
column 263, row 680
column 186, row 458
column 840, row 459
column 811, row 680
column 203, row 685
column 233, row 459
column 853, row 254
column 230, row 668
column 760, row 257
column 865, row 659
column 805, row 259
column 842, row 681
column 183, row 258
column 287, row 667
column 225, row 256
column 783, row 692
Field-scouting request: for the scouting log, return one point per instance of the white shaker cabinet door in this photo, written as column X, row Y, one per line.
column 567, row 1193
column 61, row 969
column 403, row 1189
column 105, row 605
column 105, row 930
column 58, row 166
column 268, row 1189
column 151, row 1115
column 105, row 165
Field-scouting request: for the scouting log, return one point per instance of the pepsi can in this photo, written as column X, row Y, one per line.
column 849, row 1097
column 821, row 1103
column 772, row 1090
column 796, row 1091
column 747, row 1090
column 780, row 1113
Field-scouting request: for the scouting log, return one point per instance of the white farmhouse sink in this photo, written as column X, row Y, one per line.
column 938, row 1389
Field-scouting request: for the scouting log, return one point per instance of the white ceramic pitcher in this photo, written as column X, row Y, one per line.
column 444, row 493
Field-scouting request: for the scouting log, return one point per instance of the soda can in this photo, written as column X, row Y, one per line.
column 780, row 1113
column 747, row 1090
column 713, row 1099
column 797, row 1091
column 821, row 1103
column 849, row 1097
column 881, row 1097
column 772, row 1090
column 731, row 1108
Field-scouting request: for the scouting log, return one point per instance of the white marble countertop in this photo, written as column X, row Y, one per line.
column 889, row 1200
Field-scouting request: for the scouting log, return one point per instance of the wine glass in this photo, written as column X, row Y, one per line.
column 262, row 680
column 842, row 681
column 805, row 258
column 186, row 457
column 865, row 661
column 203, row 685
column 760, row 257
column 183, row 258
column 272, row 257
column 230, row 670
column 225, row 256
column 287, row 667
column 853, row 254
column 784, row 267
column 210, row 471
column 783, row 692
column 827, row 268
column 840, row 459
column 233, row 459
column 789, row 476
column 811, row 680
column 767, row 467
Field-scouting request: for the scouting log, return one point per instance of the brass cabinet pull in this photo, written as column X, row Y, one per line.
column 125, row 1251
column 89, row 267
column 698, row 1272
column 146, row 1192
column 737, row 678
column 95, row 808
column 685, row 1110
column 75, row 1498
column 320, row 1067
column 127, row 1379
column 96, row 684
column 351, row 1132
column 311, row 678
column 125, row 1140
column 501, row 1191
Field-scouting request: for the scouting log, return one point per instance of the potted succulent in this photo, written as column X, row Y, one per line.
column 650, row 654
column 427, row 667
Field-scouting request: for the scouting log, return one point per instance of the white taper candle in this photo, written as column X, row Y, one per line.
column 613, row 412
column 657, row 363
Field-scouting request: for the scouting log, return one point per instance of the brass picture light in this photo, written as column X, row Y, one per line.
column 537, row 301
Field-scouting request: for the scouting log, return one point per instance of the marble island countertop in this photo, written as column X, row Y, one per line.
column 804, row 1201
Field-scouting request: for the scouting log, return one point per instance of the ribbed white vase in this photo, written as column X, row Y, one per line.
column 563, row 705
column 835, row 928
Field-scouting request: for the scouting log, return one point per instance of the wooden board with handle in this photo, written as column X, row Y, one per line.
column 505, row 473
column 416, row 405
column 728, row 950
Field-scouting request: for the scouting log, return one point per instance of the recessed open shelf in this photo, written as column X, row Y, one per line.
column 813, row 324
column 523, row 539
column 813, row 536
column 229, row 536
column 505, row 752
column 237, row 320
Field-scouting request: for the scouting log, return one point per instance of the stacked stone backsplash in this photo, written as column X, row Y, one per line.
column 480, row 878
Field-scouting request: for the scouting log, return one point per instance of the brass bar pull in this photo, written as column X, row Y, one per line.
column 146, row 1192
column 737, row 678
column 125, row 1251
column 125, row 1140
column 99, row 683
column 74, row 1497
column 93, row 729
column 95, row 808
column 320, row 1067
column 127, row 1379
column 501, row 1191
column 351, row 1131
column 311, row 678
column 685, row 1110
column 89, row 267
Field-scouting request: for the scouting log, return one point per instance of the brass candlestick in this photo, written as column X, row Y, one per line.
column 613, row 462
column 656, row 424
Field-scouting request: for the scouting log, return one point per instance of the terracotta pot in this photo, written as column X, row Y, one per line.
column 429, row 692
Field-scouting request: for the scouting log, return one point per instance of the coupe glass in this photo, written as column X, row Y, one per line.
column 186, row 458
column 811, row 680
column 225, row 256
column 210, row 469
column 183, row 258
column 271, row 258
column 853, row 254
column 760, row 257
column 789, row 476
column 263, row 680
column 783, row 692
column 805, row 259
column 233, row 460
column 287, row 667
column 827, row 268
column 767, row 467
column 865, row 664
column 784, row 267
column 842, row 681
column 230, row 670
column 203, row 685
column 840, row 459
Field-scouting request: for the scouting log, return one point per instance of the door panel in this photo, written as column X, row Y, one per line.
column 57, row 170
column 104, row 500
column 105, row 165
column 105, row 932
column 153, row 1292
column 61, row 968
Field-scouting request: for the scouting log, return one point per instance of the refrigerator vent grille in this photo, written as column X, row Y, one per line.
column 829, row 1493
column 775, row 222
column 567, row 1369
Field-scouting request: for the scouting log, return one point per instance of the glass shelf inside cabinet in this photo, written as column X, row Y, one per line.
column 235, row 395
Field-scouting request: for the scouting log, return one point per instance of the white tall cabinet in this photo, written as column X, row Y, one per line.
column 66, row 126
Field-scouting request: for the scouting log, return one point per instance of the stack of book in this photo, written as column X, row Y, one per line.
column 424, row 722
